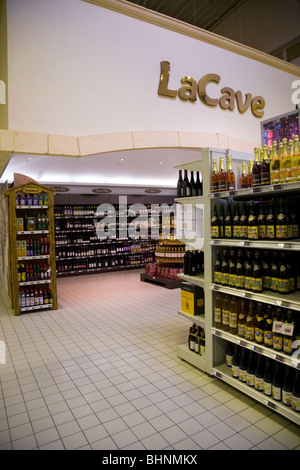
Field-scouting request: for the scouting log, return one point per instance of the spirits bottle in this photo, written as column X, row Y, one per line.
column 265, row 168
column 236, row 222
column 259, row 373
column 251, row 369
column 222, row 176
column 230, row 175
column 229, row 354
column 244, row 177
column 275, row 165
column 214, row 182
column 296, row 392
column 277, row 382
column 287, row 386
column 256, row 170
column 243, row 365
column 268, row 376
column 236, row 362
column 215, row 224
column 228, row 223
column 252, row 223
column 268, row 331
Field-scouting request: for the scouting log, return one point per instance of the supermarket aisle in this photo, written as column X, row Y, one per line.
column 102, row 373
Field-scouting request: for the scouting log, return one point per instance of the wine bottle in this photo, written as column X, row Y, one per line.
column 186, row 186
column 250, row 323
column 252, row 223
column 281, row 222
column 251, row 368
column 268, row 328
column 288, row 333
column 256, row 170
column 243, row 365
column 275, row 165
column 285, row 164
column 244, row 223
column 277, row 382
column 224, row 268
column 268, row 376
column 259, row 373
column 248, row 271
column 244, row 177
column 297, row 155
column 199, row 185
column 277, row 325
column 260, row 325
column 257, row 280
column 236, row 362
column 287, row 386
column 229, row 354
column 192, row 337
column 274, row 272
column 234, row 311
column 265, row 168
column 283, row 284
column 236, row 222
column 179, row 184
column 222, row 176
column 228, row 223
column 261, row 221
column 270, row 222
column 218, row 310
column 215, row 224
column 194, row 190
column 240, row 271
column 214, row 182
column 242, row 318
column 225, row 312
column 266, row 271
column 296, row 392
column 231, row 268
column 230, row 175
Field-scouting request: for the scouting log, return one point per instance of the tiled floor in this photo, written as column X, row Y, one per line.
column 102, row 373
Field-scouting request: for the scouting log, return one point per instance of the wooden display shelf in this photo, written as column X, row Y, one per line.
column 168, row 283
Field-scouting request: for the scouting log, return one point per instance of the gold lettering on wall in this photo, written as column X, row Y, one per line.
column 190, row 88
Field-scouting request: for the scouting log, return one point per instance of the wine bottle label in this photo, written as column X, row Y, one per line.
column 267, row 388
column 243, row 375
column 202, row 349
column 259, row 384
column 250, row 379
column 259, row 335
column 287, row 345
column 235, row 371
column 224, row 279
column 215, row 232
column 231, row 280
column 236, row 231
column 217, row 277
column 261, row 231
column 249, row 333
column 266, row 282
column 268, row 338
column 257, row 284
column 228, row 231
column 241, row 330
column 243, row 231
column 276, row 393
column 273, row 284
column 229, row 360
column 222, row 186
column 295, row 231
column 283, row 286
column 225, row 317
column 287, row 398
column 196, row 346
column 248, row 283
column 277, row 343
column 270, row 232
column 295, row 403
column 253, row 232
column 217, row 315
column 232, row 320
column 281, row 232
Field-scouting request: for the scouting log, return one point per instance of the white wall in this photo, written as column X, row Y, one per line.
column 79, row 69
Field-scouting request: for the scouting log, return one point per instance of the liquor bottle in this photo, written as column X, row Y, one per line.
column 228, row 223
column 225, row 312
column 186, row 186
column 250, row 175
column 283, row 284
column 265, row 168
column 214, row 182
column 199, row 185
column 194, row 191
column 281, row 222
column 287, row 386
column 236, row 222
column 192, row 337
column 266, row 271
column 268, row 376
column 297, row 155
column 277, row 325
column 296, row 392
column 288, row 332
column 218, row 268
column 248, row 270
column 244, row 177
column 252, row 223
column 294, row 168
column 179, row 184
column 259, row 373
column 234, row 311
column 240, row 271
column 222, row 176
column 218, row 311
column 229, row 354
column 256, row 170
column 242, row 318
column 244, row 223
column 268, row 328
column 261, row 220
column 274, row 165
column 236, row 362
column 257, row 280
column 294, row 222
column 215, row 224
column 270, row 222
column 202, row 342
column 251, row 368
column 274, row 274
column 230, row 175
column 224, row 268
column 260, row 325
column 243, row 365
column 222, row 221
column 250, row 323
column 231, row 268
column 285, row 173
column 277, row 382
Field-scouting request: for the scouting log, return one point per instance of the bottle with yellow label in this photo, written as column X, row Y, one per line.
column 285, row 164
column 252, row 223
column 281, row 222
column 297, row 155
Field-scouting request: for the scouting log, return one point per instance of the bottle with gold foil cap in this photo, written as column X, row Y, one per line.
column 265, row 168
column 230, row 175
column 297, row 155
column 275, row 165
column 214, row 177
column 222, row 176
column 250, row 166
column 256, row 168
column 244, row 177
column 285, row 163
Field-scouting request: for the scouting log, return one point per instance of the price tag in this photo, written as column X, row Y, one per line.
column 257, row 349
column 256, row 190
column 284, row 303
column 218, row 374
column 245, row 243
column 277, row 187
column 217, row 194
column 243, row 343
column 247, row 295
column 232, row 193
column 279, row 358
column 218, row 333
column 270, row 404
column 215, row 287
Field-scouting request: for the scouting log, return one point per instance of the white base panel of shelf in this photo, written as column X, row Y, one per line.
column 223, row 372
column 192, row 358
column 198, row 280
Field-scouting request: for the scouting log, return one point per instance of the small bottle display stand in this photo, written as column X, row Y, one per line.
column 168, row 264
column 32, row 248
column 213, row 361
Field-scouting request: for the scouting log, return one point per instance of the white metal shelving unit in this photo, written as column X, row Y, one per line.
column 213, row 361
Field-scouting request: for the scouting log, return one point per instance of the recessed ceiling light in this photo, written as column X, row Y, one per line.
column 152, row 191
column 101, row 190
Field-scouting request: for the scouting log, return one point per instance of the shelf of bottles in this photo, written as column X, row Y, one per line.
column 80, row 251
column 32, row 248
column 255, row 242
